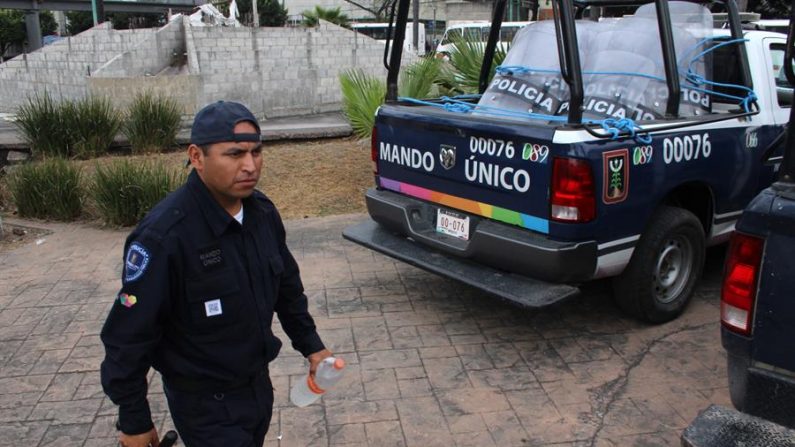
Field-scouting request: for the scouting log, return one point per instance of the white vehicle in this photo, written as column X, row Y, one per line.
column 776, row 26
column 477, row 32
column 380, row 32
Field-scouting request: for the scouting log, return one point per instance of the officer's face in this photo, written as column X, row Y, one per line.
column 230, row 170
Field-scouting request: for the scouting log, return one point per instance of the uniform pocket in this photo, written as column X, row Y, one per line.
column 214, row 300
column 273, row 273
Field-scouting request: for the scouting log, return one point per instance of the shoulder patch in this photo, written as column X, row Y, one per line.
column 135, row 262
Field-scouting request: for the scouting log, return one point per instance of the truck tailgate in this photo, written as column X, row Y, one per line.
column 497, row 169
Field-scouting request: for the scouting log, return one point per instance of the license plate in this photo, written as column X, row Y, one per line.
column 452, row 224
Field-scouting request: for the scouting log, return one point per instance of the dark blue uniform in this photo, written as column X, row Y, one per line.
column 198, row 295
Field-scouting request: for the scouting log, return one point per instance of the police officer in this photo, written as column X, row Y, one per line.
column 204, row 272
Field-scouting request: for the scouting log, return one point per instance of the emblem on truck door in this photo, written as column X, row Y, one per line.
column 447, row 156
column 615, row 181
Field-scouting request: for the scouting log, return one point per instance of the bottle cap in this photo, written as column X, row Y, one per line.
column 339, row 363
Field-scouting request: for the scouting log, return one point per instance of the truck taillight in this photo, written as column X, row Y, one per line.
column 572, row 198
column 374, row 150
column 739, row 283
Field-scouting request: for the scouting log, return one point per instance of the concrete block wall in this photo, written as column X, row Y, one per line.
column 183, row 88
column 149, row 56
column 467, row 10
column 62, row 68
column 282, row 71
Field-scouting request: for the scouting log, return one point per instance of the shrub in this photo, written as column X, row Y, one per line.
column 124, row 191
column 466, row 59
column 152, row 123
column 94, row 124
column 419, row 79
column 49, row 189
column 362, row 94
column 44, row 127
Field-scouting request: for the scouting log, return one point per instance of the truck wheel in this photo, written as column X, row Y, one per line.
column 659, row 280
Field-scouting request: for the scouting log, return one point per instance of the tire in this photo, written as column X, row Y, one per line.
column 660, row 278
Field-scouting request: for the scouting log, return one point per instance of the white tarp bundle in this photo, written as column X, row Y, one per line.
column 622, row 65
column 209, row 15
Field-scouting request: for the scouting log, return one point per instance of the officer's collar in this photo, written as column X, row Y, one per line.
column 217, row 217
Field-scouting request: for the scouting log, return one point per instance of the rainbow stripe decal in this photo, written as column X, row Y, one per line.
column 470, row 206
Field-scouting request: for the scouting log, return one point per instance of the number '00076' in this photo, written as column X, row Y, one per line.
column 686, row 148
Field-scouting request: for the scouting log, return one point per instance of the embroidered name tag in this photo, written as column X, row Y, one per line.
column 213, row 308
column 211, row 258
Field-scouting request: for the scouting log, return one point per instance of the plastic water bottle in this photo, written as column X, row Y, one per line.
column 308, row 390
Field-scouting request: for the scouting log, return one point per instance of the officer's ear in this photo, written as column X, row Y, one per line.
column 196, row 157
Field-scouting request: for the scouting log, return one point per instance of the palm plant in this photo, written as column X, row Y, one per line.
column 419, row 80
column 462, row 76
column 333, row 15
column 362, row 94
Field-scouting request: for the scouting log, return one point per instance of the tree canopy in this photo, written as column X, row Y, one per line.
column 13, row 31
column 271, row 12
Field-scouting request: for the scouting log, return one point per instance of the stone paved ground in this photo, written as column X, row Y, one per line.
column 431, row 362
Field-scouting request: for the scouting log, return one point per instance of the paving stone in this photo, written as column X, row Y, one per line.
column 347, row 434
column 395, row 358
column 349, row 412
column 446, row 373
column 410, row 372
column 415, row 387
column 22, row 433
column 380, row 384
column 68, row 412
column 386, row 434
column 63, row 435
column 423, row 422
column 63, row 387
column 465, row 423
column 370, row 334
column 476, row 439
column 303, row 427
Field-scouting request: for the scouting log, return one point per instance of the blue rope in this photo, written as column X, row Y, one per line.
column 615, row 126
column 612, row 126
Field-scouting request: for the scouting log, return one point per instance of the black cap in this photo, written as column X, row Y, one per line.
column 216, row 122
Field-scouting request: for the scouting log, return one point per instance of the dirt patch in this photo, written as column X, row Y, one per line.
column 303, row 178
column 17, row 235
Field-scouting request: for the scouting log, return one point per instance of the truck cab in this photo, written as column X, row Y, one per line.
column 613, row 149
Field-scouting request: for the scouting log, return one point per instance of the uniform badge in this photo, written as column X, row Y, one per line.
column 213, row 308
column 135, row 262
column 127, row 300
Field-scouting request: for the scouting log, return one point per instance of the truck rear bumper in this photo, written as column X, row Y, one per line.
column 518, row 289
column 500, row 246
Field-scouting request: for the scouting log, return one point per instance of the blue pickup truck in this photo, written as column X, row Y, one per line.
column 758, row 316
column 757, row 309
column 616, row 148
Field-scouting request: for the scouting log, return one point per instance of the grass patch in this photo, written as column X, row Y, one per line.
column 44, row 127
column 94, row 124
column 124, row 190
column 152, row 123
column 47, row 190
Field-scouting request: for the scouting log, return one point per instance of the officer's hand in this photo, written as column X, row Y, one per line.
column 143, row 440
column 315, row 359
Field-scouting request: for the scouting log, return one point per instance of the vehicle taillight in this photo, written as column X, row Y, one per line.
column 572, row 197
column 739, row 283
column 374, row 150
